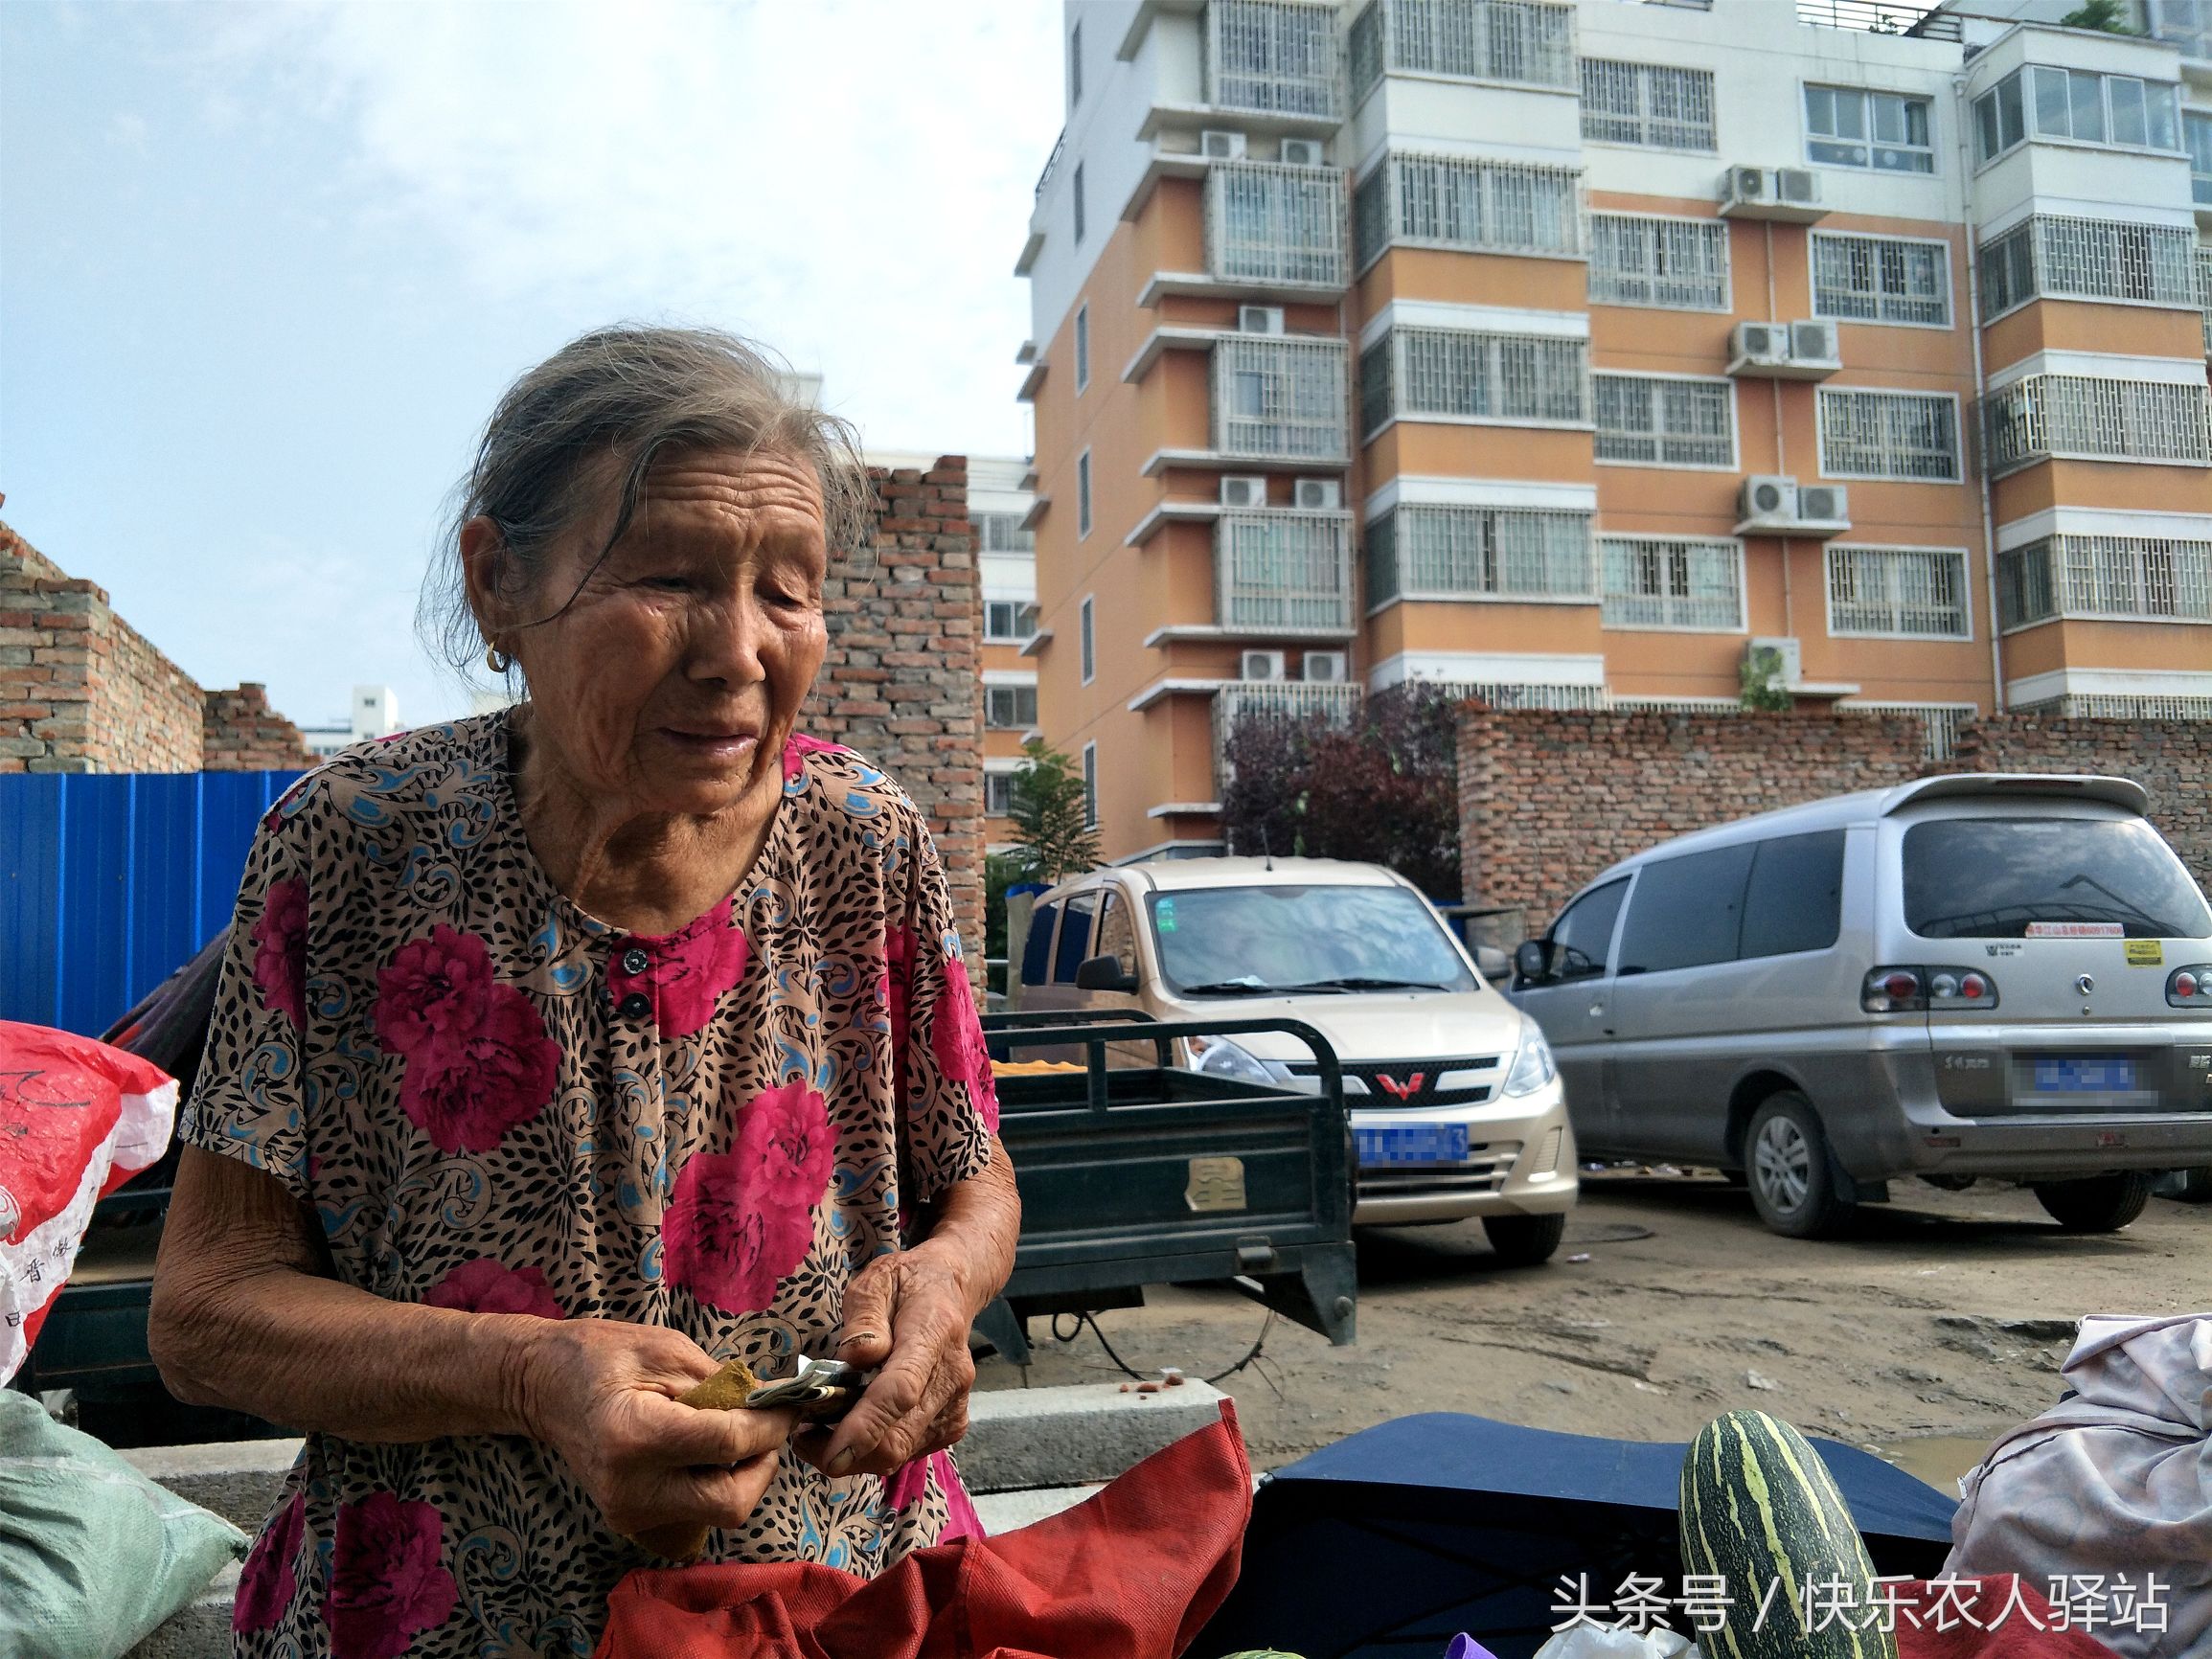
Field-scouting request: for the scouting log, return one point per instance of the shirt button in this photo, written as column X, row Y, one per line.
column 636, row 961
column 634, row 1006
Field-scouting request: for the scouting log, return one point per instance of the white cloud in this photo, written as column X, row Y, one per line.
column 848, row 181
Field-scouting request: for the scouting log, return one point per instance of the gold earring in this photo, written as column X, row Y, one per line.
column 498, row 660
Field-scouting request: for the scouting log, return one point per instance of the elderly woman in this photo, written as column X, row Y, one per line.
column 564, row 1053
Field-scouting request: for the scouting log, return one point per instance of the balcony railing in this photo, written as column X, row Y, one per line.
column 1284, row 573
column 2142, row 578
column 1052, row 161
column 2204, row 293
column 1920, row 19
column 1274, row 56
column 2090, row 418
column 1280, row 398
column 1276, row 225
column 1254, row 700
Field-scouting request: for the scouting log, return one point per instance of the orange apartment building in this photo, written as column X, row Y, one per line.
column 1564, row 351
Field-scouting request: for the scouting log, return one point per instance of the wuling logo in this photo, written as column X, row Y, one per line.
column 1401, row 1091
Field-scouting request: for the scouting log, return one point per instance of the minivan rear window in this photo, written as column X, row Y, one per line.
column 1996, row 878
column 1037, row 954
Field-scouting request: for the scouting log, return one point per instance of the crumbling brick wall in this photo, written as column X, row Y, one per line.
column 902, row 680
column 81, row 690
column 241, row 733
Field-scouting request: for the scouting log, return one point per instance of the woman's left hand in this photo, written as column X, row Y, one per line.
column 910, row 1315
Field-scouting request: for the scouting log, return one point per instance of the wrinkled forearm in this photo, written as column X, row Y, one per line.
column 976, row 1225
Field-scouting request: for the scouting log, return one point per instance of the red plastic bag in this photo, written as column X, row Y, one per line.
column 77, row 1119
column 1133, row 1572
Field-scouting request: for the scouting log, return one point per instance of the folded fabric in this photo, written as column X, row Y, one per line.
column 1133, row 1572
column 1995, row 1617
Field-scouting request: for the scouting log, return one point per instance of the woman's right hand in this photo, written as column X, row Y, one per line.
column 603, row 1394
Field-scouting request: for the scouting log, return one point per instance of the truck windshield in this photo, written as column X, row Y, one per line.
column 2000, row 877
column 1249, row 940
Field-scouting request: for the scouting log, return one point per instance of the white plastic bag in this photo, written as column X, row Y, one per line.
column 1589, row 1642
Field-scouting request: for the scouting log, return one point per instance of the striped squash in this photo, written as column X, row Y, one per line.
column 1760, row 1508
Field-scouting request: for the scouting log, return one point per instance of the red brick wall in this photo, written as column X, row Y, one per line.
column 902, row 681
column 241, row 733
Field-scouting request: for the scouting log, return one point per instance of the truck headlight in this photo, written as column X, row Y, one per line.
column 1533, row 1067
column 1219, row 1058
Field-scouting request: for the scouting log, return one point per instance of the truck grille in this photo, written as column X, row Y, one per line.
column 1394, row 1084
column 1485, row 1171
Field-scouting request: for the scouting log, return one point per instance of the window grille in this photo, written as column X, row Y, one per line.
column 2146, row 579
column 1281, row 399
column 1447, row 201
column 2120, row 708
column 2205, row 294
column 1919, row 592
column 1648, row 104
column 1411, row 373
column 1520, row 694
column 1003, row 532
column 1266, row 223
column 1530, row 42
column 998, row 794
column 1272, row 55
column 1887, row 132
column 1672, row 582
column 1880, row 279
column 1939, row 722
column 1420, row 552
column 1338, row 704
column 1675, row 423
column 1285, row 572
column 1911, row 435
column 2096, row 419
column 2088, row 259
column 1677, row 264
column 1009, row 708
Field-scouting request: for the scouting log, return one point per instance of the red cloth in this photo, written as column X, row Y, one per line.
column 1133, row 1572
column 1994, row 1625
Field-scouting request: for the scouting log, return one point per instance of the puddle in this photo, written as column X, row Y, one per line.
column 1938, row 1459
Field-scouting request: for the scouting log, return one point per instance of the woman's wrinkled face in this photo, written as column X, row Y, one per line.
column 674, row 678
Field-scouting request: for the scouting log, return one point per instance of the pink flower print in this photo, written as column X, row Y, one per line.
column 721, row 1243
column 489, row 1286
column 957, row 1039
column 685, row 974
column 784, row 1134
column 910, row 1484
column 899, row 947
column 799, row 747
column 433, row 992
column 466, row 1089
column 387, row 1582
column 266, row 1582
column 281, row 950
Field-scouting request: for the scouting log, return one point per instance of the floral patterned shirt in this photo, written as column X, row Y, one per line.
column 494, row 1101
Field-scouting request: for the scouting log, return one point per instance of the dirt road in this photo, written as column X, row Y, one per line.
column 1940, row 1323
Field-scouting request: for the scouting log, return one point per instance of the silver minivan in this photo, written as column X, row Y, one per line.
column 1989, row 975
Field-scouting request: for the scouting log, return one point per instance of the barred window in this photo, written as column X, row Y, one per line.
column 1454, row 202
column 2039, row 416
column 2088, row 259
column 1677, row 265
column 1002, row 533
column 1889, row 434
column 1278, row 398
column 1272, row 55
column 1675, row 423
column 1009, row 708
column 1412, row 373
column 1914, row 591
column 998, row 794
column 1418, row 552
column 1527, row 41
column 1647, row 103
column 2204, row 293
column 2144, row 578
column 1285, row 572
column 1654, row 582
column 1266, row 223
column 1848, row 127
column 1880, row 279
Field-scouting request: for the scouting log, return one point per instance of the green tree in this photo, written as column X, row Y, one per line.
column 2109, row 16
column 1000, row 871
column 1760, row 676
column 1054, row 838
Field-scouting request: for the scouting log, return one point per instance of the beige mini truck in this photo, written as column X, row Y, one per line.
column 1456, row 1107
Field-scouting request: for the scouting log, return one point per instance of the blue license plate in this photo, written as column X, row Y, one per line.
column 1411, row 1142
column 2084, row 1073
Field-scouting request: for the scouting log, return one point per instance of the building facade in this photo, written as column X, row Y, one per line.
column 373, row 712
column 1570, row 353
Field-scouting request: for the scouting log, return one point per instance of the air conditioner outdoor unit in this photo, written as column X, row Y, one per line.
column 1791, row 193
column 1746, row 186
column 1788, row 650
column 1244, row 489
column 1319, row 494
column 1326, row 667
column 1757, row 346
column 1302, row 152
column 1259, row 319
column 1215, row 144
column 1797, row 187
column 1816, row 340
column 1824, row 504
column 1769, row 498
column 1262, row 666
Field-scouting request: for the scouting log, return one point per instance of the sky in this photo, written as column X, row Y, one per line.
column 264, row 270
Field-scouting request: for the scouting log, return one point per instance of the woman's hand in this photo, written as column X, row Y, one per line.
column 908, row 1313
column 602, row 1394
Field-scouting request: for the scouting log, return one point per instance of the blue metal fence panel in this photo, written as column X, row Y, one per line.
column 108, row 881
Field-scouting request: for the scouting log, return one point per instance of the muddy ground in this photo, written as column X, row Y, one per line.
column 1941, row 1321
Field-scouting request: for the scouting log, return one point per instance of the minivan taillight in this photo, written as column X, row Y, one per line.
column 1937, row 990
column 2190, row 987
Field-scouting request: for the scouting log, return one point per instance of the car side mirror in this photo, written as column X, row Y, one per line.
column 1104, row 973
column 1494, row 964
column 1532, row 961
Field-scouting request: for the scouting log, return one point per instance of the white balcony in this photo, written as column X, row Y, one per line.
column 1276, row 227
column 1280, row 399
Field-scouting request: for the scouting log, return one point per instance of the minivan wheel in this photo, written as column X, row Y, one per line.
column 2100, row 1204
column 1524, row 1240
column 1787, row 1158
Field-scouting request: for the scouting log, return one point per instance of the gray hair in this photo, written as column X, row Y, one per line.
column 622, row 397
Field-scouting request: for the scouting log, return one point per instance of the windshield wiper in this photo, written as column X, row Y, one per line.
column 1229, row 987
column 1365, row 982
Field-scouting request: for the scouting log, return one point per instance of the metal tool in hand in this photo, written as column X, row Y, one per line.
column 823, row 1390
